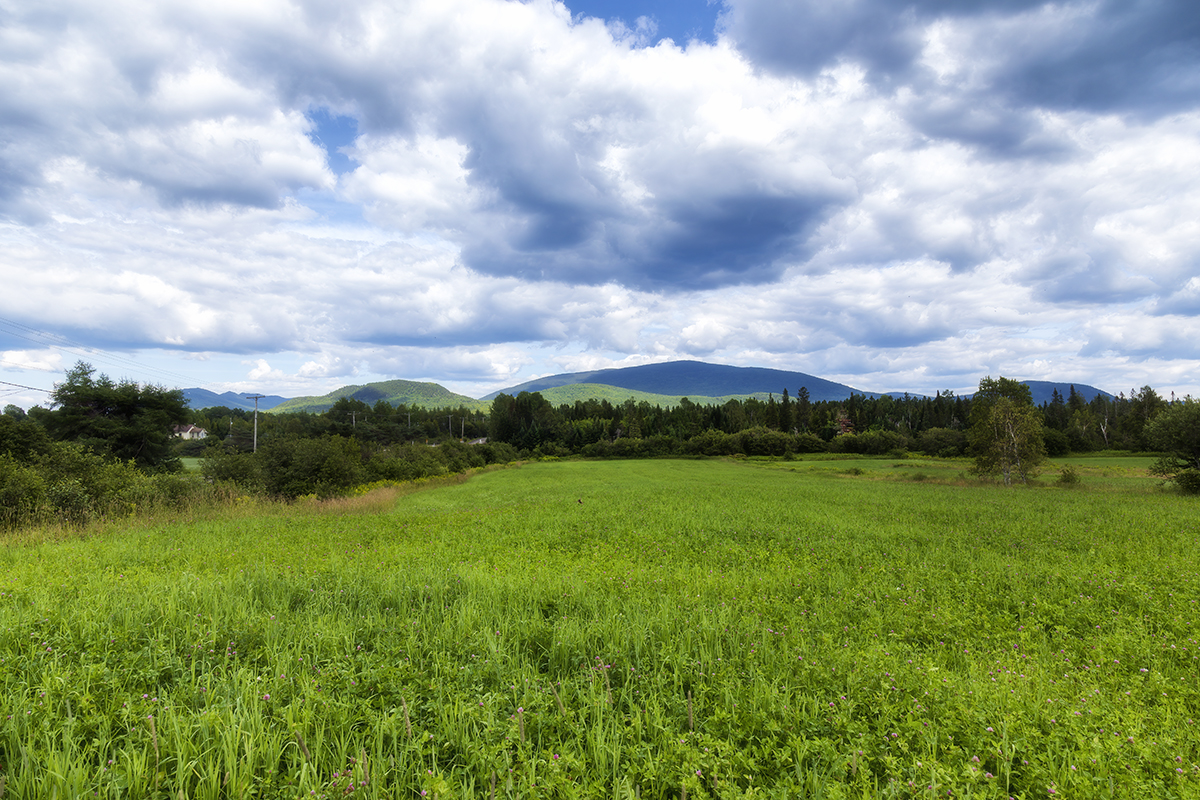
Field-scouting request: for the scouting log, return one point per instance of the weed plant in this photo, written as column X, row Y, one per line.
column 616, row 629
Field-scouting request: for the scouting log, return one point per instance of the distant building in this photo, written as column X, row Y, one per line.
column 189, row 432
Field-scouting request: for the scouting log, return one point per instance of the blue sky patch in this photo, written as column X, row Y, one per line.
column 334, row 132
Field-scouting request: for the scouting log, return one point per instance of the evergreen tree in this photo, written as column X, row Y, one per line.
column 124, row 420
column 803, row 416
column 1057, row 416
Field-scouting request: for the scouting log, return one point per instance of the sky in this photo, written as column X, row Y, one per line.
column 288, row 196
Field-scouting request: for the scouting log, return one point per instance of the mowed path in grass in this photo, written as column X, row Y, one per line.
column 603, row 629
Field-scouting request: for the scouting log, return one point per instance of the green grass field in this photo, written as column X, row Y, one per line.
column 620, row 629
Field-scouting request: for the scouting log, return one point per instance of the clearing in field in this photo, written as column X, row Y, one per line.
column 615, row 629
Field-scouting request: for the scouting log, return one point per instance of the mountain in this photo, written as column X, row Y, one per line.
column 1043, row 391
column 658, row 384
column 695, row 379
column 203, row 398
column 397, row 392
column 569, row 394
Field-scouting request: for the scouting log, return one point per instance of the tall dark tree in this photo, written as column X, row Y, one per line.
column 1075, row 401
column 124, row 420
column 1057, row 416
column 803, row 415
column 785, row 412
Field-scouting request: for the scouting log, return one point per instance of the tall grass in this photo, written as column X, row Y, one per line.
column 616, row 629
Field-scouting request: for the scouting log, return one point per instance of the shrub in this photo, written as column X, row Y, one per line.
column 942, row 442
column 82, row 484
column 875, row 443
column 70, row 501
column 764, row 442
column 227, row 465
column 1068, row 477
column 808, row 443
column 406, row 463
column 1057, row 443
column 22, row 493
column 1188, row 481
column 497, row 452
column 292, row 467
column 459, row 457
column 712, row 442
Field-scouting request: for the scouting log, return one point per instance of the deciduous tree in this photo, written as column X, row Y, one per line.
column 1006, row 431
column 1176, row 432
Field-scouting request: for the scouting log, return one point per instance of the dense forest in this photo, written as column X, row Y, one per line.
column 106, row 448
column 535, row 426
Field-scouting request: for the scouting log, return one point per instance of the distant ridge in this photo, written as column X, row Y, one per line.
column 396, row 392
column 659, row 384
column 575, row 392
column 696, row 379
column 1043, row 391
column 203, row 398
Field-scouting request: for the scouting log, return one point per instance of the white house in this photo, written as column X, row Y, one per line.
column 189, row 432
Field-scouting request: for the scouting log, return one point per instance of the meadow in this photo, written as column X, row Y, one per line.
column 655, row 629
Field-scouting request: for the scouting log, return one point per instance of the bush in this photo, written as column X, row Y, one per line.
column 712, row 442
column 174, row 490
column 328, row 466
column 81, row 484
column 191, row 448
column 497, row 452
column 22, row 438
column 1057, row 443
column 1068, row 477
column 459, row 457
column 22, row 493
column 70, row 501
column 228, row 465
column 1188, row 481
column 764, row 442
column 874, row 443
column 809, row 443
column 407, row 463
column 942, row 442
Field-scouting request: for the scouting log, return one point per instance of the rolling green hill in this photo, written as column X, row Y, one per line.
column 433, row 395
column 397, row 392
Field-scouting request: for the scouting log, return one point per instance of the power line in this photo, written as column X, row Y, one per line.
column 31, row 388
column 57, row 341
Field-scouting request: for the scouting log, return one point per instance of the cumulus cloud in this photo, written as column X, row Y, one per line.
column 1102, row 56
column 478, row 189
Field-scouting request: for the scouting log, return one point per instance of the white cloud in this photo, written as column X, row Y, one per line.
column 534, row 194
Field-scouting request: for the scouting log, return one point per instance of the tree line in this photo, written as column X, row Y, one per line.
column 935, row 425
column 106, row 448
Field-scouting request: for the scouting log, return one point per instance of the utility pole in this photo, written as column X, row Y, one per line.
column 255, row 398
column 450, row 423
